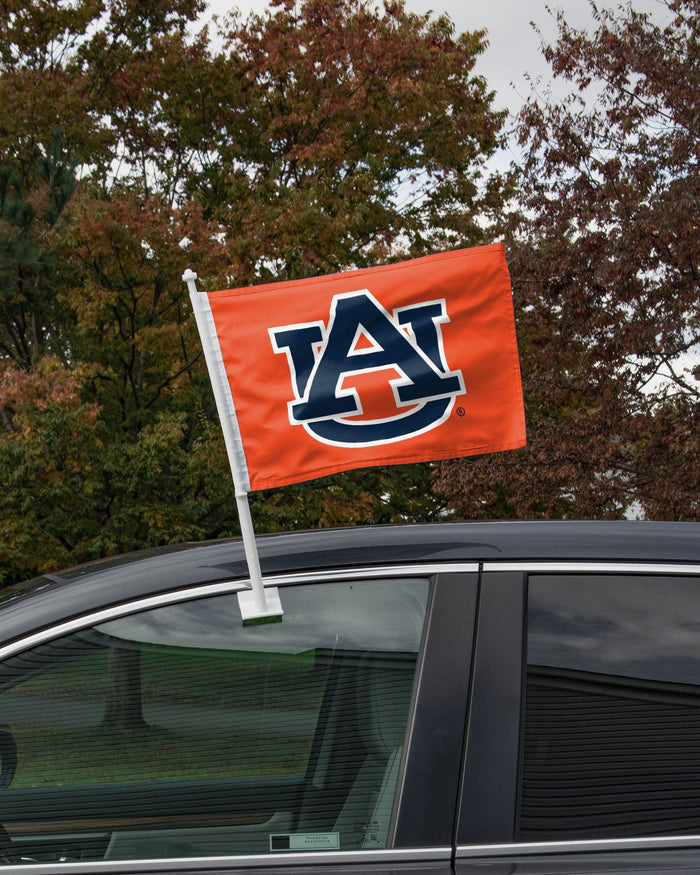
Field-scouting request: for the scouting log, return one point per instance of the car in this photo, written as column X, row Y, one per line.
column 505, row 697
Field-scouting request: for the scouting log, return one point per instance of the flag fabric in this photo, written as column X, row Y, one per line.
column 402, row 363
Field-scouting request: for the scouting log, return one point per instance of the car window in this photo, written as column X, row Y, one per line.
column 611, row 742
column 179, row 732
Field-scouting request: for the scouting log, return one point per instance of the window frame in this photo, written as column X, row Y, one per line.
column 494, row 838
column 445, row 582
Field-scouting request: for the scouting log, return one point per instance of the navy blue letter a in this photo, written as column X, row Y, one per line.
column 352, row 313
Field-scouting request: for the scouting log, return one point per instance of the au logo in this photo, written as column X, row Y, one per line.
column 362, row 337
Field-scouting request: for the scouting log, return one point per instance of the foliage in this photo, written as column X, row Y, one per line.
column 356, row 136
column 321, row 135
column 605, row 260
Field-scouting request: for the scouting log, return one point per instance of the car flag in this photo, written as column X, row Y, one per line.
column 407, row 362
column 402, row 363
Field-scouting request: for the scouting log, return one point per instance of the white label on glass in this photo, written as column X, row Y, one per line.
column 305, row 841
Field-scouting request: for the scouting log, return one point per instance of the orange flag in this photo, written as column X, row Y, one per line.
column 403, row 363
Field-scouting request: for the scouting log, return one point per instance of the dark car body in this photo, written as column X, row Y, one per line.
column 534, row 692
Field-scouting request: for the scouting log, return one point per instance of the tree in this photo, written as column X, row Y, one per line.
column 32, row 220
column 605, row 263
column 354, row 136
column 124, row 702
column 321, row 135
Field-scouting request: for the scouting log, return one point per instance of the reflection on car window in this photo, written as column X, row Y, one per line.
column 611, row 742
column 179, row 732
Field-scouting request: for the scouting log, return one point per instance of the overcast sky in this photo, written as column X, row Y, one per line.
column 513, row 43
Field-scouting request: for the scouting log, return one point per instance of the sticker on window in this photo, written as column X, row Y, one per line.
column 305, row 841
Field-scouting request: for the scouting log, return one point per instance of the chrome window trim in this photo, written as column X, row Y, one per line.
column 583, row 566
column 465, row 852
column 202, row 864
column 425, row 569
column 145, row 603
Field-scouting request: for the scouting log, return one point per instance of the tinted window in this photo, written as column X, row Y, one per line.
column 611, row 744
column 179, row 732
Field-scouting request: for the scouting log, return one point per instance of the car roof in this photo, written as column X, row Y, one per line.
column 621, row 540
column 124, row 578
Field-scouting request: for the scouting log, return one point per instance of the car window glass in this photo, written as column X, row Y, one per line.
column 611, row 740
column 180, row 732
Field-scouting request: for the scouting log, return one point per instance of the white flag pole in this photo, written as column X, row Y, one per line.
column 257, row 605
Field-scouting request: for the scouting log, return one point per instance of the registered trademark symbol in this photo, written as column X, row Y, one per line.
column 460, row 411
